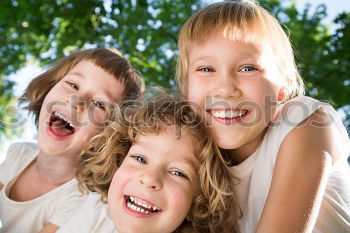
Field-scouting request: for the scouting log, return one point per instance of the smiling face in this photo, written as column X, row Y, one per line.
column 76, row 108
column 237, row 86
column 153, row 189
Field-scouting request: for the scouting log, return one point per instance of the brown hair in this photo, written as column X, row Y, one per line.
column 239, row 20
column 110, row 60
column 214, row 209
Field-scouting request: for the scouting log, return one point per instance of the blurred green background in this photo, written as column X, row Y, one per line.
column 40, row 31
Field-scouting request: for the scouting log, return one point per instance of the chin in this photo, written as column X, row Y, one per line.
column 129, row 229
column 226, row 142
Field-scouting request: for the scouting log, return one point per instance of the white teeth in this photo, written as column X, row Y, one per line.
column 130, row 204
column 227, row 114
column 61, row 116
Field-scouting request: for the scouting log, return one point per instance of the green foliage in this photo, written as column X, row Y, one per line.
column 146, row 31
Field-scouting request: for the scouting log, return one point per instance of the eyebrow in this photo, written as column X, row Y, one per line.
column 201, row 58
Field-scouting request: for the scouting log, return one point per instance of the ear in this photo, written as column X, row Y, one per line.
column 282, row 94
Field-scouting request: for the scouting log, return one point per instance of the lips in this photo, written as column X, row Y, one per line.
column 59, row 126
column 141, row 206
column 228, row 116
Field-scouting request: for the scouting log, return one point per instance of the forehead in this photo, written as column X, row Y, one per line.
column 251, row 33
column 167, row 145
column 97, row 80
column 220, row 44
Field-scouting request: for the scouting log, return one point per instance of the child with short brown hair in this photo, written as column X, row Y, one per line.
column 71, row 102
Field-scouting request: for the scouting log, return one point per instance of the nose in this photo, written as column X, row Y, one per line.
column 151, row 179
column 226, row 87
column 76, row 103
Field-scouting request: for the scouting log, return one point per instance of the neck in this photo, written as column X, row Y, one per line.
column 55, row 170
column 242, row 153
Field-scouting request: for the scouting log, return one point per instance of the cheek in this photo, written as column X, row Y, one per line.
column 121, row 178
column 114, row 187
column 117, row 187
column 263, row 92
column 196, row 92
column 96, row 116
column 49, row 102
column 93, row 122
column 115, row 197
column 46, row 108
column 265, row 98
column 180, row 200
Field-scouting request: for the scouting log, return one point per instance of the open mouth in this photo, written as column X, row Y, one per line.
column 60, row 125
column 141, row 206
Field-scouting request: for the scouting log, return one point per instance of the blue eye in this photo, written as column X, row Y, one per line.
column 73, row 85
column 248, row 68
column 139, row 159
column 206, row 69
column 178, row 173
column 99, row 104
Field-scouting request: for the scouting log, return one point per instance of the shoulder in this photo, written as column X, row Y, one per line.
column 89, row 217
column 64, row 202
column 315, row 126
column 20, row 149
column 90, row 201
column 296, row 110
column 68, row 195
column 93, row 199
column 19, row 155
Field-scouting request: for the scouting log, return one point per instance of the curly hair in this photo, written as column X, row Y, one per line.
column 214, row 209
column 110, row 60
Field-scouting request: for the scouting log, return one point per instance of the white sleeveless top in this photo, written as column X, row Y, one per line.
column 54, row 207
column 92, row 217
column 255, row 173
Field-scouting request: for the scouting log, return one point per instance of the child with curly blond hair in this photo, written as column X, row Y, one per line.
column 155, row 169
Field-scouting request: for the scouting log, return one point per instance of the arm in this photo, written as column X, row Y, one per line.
column 300, row 177
column 49, row 228
column 1, row 186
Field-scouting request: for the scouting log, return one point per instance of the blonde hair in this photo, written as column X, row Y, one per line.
column 214, row 209
column 110, row 60
column 245, row 21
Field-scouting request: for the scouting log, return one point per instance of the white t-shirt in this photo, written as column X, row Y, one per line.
column 55, row 206
column 92, row 217
column 255, row 173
